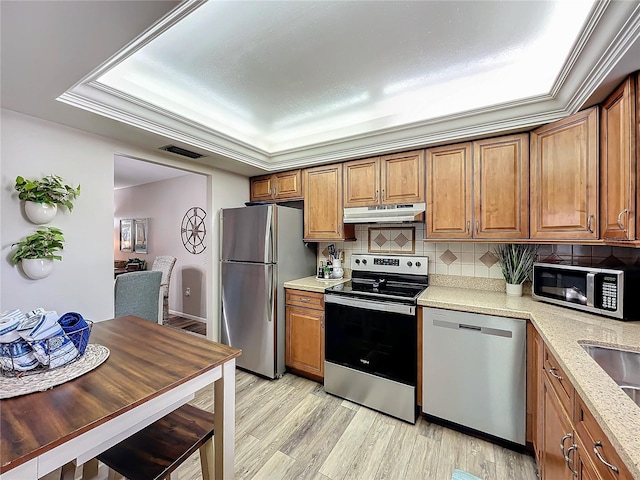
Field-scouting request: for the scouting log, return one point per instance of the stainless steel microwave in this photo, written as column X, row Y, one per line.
column 614, row 292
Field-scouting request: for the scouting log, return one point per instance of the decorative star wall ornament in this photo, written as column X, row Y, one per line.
column 194, row 230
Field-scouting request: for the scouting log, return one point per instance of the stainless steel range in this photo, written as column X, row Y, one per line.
column 371, row 339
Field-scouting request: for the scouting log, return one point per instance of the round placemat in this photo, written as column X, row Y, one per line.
column 93, row 356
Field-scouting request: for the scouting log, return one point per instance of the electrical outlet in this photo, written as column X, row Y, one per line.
column 342, row 257
column 187, row 292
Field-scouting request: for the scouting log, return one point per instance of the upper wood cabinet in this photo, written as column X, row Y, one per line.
column 479, row 190
column 386, row 180
column 618, row 164
column 449, row 194
column 323, row 209
column 279, row 186
column 564, row 178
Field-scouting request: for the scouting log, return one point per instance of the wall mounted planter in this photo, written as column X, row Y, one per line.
column 37, row 268
column 40, row 213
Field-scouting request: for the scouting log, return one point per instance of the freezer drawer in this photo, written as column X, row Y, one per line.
column 474, row 371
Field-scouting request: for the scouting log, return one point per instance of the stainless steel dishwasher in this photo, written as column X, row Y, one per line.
column 474, row 371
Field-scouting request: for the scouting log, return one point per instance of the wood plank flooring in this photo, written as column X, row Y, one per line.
column 290, row 429
column 188, row 324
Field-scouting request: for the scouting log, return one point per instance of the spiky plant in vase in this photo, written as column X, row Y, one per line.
column 516, row 262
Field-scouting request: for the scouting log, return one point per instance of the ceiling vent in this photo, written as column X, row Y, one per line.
column 181, row 151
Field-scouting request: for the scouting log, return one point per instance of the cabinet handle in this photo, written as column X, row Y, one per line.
column 564, row 439
column 553, row 374
column 569, row 461
column 468, row 226
column 589, row 223
column 477, row 226
column 620, row 219
column 382, row 198
column 303, row 299
column 601, row 458
column 322, row 321
column 375, row 197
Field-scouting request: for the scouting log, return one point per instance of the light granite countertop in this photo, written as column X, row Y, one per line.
column 562, row 330
column 313, row 284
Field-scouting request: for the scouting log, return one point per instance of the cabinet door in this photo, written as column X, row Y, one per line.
column 261, row 188
column 322, row 187
column 564, row 178
column 556, row 431
column 449, row 193
column 618, row 164
column 305, row 340
column 607, row 463
column 584, row 467
column 288, row 185
column 402, row 177
column 362, row 182
column 533, row 380
column 501, row 187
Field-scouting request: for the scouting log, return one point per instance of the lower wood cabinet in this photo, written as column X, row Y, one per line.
column 304, row 352
column 572, row 444
column 557, row 436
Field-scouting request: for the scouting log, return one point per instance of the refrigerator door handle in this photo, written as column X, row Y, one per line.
column 268, row 237
column 269, row 274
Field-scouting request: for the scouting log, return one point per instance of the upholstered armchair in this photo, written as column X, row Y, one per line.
column 164, row 264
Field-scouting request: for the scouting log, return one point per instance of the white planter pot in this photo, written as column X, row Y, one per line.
column 37, row 268
column 40, row 213
column 514, row 290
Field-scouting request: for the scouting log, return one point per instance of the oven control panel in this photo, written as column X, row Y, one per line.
column 387, row 261
column 405, row 264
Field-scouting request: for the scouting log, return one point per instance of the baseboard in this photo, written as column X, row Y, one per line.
column 186, row 315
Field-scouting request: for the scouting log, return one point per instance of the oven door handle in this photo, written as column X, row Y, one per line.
column 399, row 308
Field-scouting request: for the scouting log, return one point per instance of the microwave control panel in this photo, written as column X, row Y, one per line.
column 609, row 292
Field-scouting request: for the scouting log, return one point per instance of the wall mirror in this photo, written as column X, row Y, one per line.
column 126, row 230
column 141, row 235
column 134, row 235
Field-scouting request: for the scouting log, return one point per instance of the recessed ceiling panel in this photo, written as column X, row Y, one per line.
column 279, row 75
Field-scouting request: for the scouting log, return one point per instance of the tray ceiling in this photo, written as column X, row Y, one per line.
column 277, row 85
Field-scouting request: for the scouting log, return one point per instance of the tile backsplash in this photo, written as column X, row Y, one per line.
column 469, row 259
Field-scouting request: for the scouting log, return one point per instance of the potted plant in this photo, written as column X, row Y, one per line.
column 43, row 197
column 38, row 251
column 516, row 262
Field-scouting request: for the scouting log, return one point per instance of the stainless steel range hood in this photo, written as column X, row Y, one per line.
column 406, row 212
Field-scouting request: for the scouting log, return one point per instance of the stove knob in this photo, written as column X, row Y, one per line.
column 364, row 261
column 418, row 264
column 357, row 261
column 409, row 264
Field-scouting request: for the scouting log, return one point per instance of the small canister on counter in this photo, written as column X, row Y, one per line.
column 321, row 270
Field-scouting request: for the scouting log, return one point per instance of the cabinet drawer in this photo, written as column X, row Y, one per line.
column 300, row 298
column 594, row 440
column 558, row 380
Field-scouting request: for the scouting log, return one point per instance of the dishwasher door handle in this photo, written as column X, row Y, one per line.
column 473, row 328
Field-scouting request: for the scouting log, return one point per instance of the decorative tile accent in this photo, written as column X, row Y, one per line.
column 392, row 240
column 448, row 257
column 489, row 259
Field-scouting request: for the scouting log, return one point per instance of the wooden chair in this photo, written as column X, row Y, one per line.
column 156, row 451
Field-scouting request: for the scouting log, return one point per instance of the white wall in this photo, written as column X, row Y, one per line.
column 83, row 281
column 165, row 203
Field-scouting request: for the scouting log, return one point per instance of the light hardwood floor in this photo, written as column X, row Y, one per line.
column 290, row 429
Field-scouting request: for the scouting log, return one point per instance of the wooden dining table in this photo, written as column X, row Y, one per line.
column 151, row 370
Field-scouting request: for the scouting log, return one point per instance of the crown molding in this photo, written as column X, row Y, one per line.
column 609, row 32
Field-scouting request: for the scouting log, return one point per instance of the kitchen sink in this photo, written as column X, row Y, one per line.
column 623, row 366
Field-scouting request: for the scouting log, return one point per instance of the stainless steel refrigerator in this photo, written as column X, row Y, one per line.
column 261, row 249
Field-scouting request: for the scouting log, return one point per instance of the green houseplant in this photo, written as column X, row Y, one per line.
column 516, row 262
column 38, row 251
column 43, row 197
